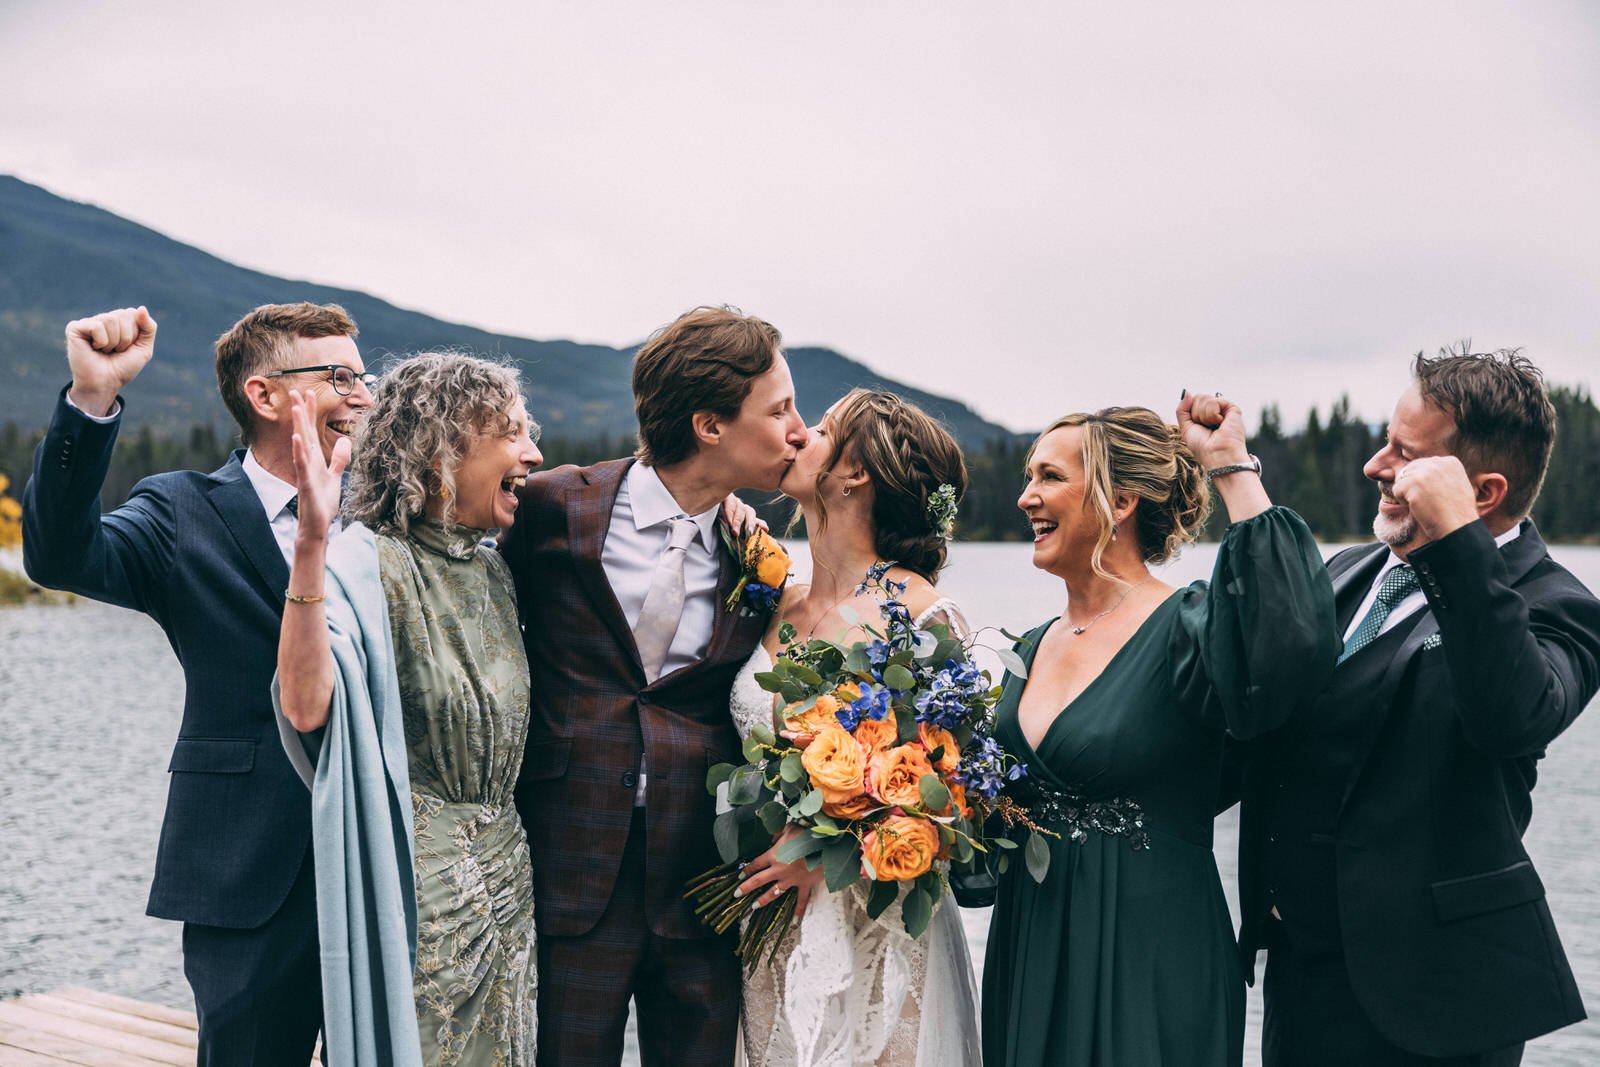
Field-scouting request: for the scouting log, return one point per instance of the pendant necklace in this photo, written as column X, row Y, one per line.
column 1080, row 629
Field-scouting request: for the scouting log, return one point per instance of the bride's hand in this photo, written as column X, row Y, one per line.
column 767, row 876
column 318, row 481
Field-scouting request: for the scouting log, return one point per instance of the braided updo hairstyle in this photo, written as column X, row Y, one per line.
column 1134, row 450
column 908, row 455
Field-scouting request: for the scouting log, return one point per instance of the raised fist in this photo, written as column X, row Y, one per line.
column 1213, row 428
column 106, row 352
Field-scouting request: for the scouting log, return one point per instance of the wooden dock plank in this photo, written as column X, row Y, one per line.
column 11, row 1056
column 158, row 1012
column 114, row 1019
column 83, row 1039
column 58, row 1050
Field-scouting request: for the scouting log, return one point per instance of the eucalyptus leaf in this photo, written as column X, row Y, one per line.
column 773, row 816
column 786, row 633
column 935, row 796
column 809, row 804
column 725, row 829
column 744, row 787
column 1012, row 662
column 717, row 775
column 763, row 733
column 880, row 896
column 798, row 847
column 917, row 911
column 961, row 851
column 840, row 863
column 791, row 769
column 1005, row 843
column 805, row 674
column 1005, row 862
column 752, row 749
column 897, row 677
column 855, row 660
column 1037, row 853
column 771, row 681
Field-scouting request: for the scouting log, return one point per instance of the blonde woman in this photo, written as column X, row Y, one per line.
column 845, row 989
column 401, row 669
column 1124, row 953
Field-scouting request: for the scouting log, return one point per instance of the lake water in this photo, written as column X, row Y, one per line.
column 92, row 697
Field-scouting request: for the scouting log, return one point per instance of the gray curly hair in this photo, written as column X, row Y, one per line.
column 425, row 413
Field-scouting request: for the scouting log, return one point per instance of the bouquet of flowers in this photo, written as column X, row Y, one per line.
column 885, row 762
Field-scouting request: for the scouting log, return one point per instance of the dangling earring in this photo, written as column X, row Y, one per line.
column 1113, row 533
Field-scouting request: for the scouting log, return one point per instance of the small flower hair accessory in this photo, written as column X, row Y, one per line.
column 942, row 510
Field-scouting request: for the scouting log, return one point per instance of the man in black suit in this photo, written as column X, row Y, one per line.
column 206, row 556
column 1381, row 858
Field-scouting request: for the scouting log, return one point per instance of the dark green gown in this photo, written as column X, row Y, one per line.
column 1124, row 956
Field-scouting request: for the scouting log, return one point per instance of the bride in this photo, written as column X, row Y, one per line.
column 845, row 990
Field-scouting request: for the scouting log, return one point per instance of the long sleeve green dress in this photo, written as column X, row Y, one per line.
column 1124, row 956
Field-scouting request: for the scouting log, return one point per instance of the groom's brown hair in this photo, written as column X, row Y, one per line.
column 704, row 360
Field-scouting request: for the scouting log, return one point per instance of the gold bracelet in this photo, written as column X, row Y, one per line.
column 291, row 598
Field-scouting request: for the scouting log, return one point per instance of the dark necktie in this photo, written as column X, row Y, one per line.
column 293, row 506
column 1398, row 584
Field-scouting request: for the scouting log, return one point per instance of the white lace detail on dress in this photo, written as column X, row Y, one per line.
column 845, row 990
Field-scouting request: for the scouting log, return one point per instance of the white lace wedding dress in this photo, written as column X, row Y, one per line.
column 844, row 990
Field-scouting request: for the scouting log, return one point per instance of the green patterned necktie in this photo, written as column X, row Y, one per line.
column 1398, row 584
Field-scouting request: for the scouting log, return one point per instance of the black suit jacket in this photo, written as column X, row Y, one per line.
column 194, row 552
column 1448, row 941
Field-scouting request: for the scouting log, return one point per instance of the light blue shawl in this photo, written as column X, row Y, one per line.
column 361, row 824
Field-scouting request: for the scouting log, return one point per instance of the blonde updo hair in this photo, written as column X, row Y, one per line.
column 908, row 455
column 1133, row 450
column 426, row 412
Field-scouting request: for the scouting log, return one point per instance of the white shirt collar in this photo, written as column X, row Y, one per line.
column 652, row 504
column 275, row 493
column 1500, row 541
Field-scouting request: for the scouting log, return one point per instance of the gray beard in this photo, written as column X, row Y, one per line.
column 1394, row 532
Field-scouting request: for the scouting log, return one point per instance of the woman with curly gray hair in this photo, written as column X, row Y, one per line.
column 402, row 674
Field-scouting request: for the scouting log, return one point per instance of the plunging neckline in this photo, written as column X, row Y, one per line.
column 1061, row 714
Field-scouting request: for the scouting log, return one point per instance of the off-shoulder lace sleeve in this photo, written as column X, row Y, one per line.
column 946, row 611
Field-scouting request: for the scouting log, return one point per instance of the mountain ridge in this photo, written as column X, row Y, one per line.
column 64, row 259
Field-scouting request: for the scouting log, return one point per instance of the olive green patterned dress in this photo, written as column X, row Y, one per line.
column 464, row 696
column 1124, row 956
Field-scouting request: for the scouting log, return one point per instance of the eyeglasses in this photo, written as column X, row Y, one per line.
column 344, row 379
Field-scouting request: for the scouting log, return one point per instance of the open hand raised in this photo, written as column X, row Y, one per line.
column 318, row 481
column 106, row 352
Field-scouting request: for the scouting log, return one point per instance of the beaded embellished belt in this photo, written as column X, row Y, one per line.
column 1113, row 816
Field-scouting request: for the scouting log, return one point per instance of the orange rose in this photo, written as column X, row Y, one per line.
column 853, row 808
column 767, row 558
column 808, row 722
column 874, row 735
column 835, row 764
column 893, row 774
column 958, row 801
column 900, row 848
column 933, row 737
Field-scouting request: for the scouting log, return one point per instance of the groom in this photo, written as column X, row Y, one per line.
column 622, row 579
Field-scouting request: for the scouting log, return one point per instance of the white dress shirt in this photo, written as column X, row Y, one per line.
column 634, row 545
column 633, row 548
column 275, row 494
column 1414, row 600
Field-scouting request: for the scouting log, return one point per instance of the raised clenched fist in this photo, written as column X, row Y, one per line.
column 106, row 352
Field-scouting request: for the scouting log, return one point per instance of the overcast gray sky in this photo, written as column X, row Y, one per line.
column 1039, row 207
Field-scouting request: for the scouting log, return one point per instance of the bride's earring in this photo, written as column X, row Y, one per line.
column 845, row 491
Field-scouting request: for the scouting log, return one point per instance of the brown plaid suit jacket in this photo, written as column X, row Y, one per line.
column 594, row 716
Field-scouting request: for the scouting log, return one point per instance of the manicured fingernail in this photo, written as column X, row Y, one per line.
column 1183, row 395
column 737, row 893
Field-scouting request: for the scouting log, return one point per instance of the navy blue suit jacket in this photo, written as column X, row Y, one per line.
column 194, row 552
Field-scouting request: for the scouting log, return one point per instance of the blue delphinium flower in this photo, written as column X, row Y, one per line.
column 762, row 597
column 874, row 702
column 950, row 694
column 874, row 577
column 983, row 767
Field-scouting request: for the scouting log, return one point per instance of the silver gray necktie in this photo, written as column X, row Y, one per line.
column 663, row 604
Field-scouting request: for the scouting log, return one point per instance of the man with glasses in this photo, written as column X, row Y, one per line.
column 207, row 557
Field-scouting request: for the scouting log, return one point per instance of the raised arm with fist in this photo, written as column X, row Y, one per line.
column 106, row 352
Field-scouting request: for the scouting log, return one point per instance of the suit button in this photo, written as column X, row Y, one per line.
column 630, row 779
column 644, row 698
column 1272, row 839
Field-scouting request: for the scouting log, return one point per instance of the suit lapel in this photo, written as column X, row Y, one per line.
column 589, row 507
column 1352, row 573
column 237, row 504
